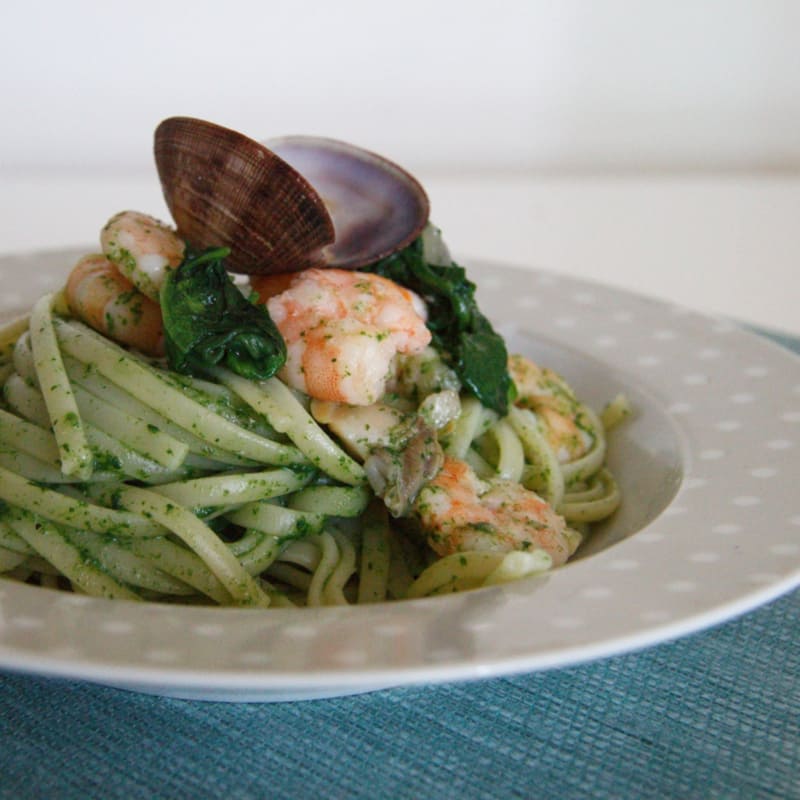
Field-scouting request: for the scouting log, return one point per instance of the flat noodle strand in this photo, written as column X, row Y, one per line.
column 234, row 488
column 200, row 538
column 62, row 408
column 581, row 469
column 144, row 384
column 10, row 332
column 333, row 592
column 593, row 509
column 276, row 402
column 327, row 564
column 126, row 566
column 265, row 549
column 542, row 473
column 86, row 376
column 74, row 513
column 375, row 555
column 184, row 565
column 53, row 544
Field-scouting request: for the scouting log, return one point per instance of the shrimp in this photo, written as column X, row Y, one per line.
column 343, row 330
column 548, row 394
column 142, row 248
column 98, row 294
column 460, row 512
column 117, row 292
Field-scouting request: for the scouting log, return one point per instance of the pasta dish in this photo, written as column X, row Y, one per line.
column 340, row 424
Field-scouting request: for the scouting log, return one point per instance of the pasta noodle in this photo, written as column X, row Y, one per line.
column 122, row 479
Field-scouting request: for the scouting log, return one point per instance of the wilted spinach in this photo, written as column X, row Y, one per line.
column 208, row 322
column 460, row 331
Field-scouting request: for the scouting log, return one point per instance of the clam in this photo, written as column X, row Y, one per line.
column 296, row 203
column 376, row 206
column 224, row 189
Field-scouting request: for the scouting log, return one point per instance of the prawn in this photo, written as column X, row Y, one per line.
column 549, row 395
column 343, row 330
column 99, row 295
column 116, row 292
column 142, row 248
column 459, row 512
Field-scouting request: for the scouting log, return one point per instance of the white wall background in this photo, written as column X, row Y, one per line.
column 536, row 84
column 651, row 144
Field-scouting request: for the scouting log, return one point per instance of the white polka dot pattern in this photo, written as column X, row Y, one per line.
column 727, row 540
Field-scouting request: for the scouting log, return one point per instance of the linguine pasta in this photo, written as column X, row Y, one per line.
column 122, row 479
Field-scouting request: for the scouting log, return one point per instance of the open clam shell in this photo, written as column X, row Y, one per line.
column 301, row 202
column 224, row 189
column 376, row 206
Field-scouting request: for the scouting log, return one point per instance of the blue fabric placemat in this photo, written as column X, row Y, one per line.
column 714, row 715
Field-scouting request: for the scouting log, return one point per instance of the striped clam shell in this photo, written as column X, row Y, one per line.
column 301, row 202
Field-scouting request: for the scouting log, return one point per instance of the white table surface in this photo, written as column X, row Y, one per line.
column 724, row 244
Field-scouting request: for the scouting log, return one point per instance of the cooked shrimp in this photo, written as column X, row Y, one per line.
column 460, row 512
column 100, row 296
column 548, row 394
column 343, row 330
column 142, row 248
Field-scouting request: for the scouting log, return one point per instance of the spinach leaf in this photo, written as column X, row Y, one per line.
column 460, row 331
column 208, row 322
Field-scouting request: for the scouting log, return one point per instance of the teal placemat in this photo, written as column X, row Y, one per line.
column 714, row 715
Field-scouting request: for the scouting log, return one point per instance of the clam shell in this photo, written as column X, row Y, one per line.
column 224, row 189
column 376, row 206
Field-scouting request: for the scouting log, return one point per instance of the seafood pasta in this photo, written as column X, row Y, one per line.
column 319, row 435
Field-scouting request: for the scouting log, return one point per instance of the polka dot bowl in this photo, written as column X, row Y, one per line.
column 709, row 527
